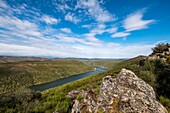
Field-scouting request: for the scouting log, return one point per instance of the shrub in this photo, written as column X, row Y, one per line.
column 149, row 65
column 160, row 48
column 165, row 101
column 148, row 77
column 23, row 100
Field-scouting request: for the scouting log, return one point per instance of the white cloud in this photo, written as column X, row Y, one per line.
column 61, row 5
column 23, row 50
column 13, row 25
column 112, row 51
column 112, row 44
column 111, row 30
column 86, row 39
column 94, row 8
column 49, row 20
column 135, row 22
column 66, row 30
column 72, row 18
column 101, row 28
column 91, row 37
column 86, row 26
column 120, row 34
column 3, row 4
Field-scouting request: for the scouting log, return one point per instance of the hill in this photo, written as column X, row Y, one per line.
column 18, row 72
column 23, row 72
column 6, row 59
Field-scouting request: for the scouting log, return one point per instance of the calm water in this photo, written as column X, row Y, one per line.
column 48, row 85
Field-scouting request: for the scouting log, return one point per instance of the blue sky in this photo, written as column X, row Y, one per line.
column 83, row 28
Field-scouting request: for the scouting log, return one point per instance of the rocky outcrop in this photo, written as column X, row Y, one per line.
column 126, row 93
column 162, row 54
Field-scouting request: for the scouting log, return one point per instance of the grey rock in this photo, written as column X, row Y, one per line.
column 131, row 93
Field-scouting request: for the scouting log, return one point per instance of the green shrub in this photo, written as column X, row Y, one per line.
column 22, row 100
column 79, row 97
column 148, row 77
column 160, row 48
column 168, row 58
column 149, row 65
column 165, row 101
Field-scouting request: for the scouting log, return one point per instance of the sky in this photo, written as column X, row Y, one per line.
column 83, row 28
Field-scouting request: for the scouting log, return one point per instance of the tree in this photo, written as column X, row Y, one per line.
column 160, row 48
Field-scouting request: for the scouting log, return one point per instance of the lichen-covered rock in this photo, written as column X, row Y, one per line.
column 126, row 93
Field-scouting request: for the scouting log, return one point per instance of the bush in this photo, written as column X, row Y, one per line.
column 160, row 48
column 168, row 58
column 148, row 77
column 149, row 65
column 58, row 102
column 165, row 101
column 23, row 100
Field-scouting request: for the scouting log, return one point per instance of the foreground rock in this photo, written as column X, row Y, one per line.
column 126, row 93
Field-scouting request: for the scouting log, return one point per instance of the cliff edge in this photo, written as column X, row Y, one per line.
column 124, row 94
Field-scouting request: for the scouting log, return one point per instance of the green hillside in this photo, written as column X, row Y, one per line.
column 14, row 75
column 102, row 63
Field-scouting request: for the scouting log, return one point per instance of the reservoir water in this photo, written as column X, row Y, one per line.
column 48, row 85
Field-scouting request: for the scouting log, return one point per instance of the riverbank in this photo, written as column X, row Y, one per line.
column 55, row 83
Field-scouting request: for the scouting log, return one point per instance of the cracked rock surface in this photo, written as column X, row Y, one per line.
column 124, row 94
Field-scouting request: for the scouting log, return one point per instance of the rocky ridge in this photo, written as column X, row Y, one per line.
column 124, row 94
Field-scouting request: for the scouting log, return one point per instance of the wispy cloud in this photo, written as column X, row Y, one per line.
column 49, row 20
column 135, row 21
column 86, row 26
column 3, row 5
column 101, row 28
column 66, row 30
column 72, row 18
column 95, row 10
column 61, row 6
column 16, row 27
column 120, row 34
column 91, row 37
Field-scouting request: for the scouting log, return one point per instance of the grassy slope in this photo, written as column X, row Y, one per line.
column 15, row 75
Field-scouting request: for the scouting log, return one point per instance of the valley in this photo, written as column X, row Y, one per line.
column 20, row 72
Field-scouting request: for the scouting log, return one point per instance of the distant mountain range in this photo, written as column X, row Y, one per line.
column 4, row 59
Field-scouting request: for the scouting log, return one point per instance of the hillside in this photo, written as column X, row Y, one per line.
column 23, row 72
column 5, row 59
column 18, row 72
column 101, row 63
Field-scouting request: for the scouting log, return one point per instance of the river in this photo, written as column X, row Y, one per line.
column 55, row 83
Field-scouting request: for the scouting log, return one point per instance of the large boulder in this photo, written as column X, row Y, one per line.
column 126, row 93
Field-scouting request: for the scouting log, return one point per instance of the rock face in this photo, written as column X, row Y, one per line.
column 126, row 93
